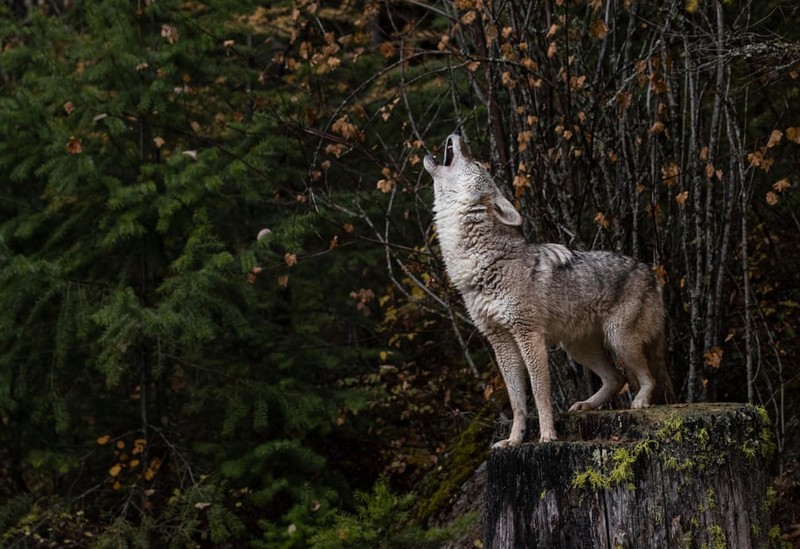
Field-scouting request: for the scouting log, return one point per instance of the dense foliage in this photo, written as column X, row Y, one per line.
column 222, row 314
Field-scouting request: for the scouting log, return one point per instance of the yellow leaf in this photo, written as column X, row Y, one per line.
column 120, row 444
column 134, row 463
column 149, row 474
column 103, row 440
column 115, row 470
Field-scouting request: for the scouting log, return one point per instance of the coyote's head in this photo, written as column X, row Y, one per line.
column 461, row 182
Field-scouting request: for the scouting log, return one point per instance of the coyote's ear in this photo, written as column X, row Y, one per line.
column 504, row 210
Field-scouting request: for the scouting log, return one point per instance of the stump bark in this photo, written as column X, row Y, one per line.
column 669, row 476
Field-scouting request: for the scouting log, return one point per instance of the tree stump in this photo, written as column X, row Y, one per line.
column 669, row 476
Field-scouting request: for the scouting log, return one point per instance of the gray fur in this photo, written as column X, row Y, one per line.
column 524, row 297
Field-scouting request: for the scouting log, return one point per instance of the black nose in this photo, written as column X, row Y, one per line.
column 449, row 154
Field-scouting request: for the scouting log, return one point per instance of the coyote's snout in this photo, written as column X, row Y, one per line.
column 525, row 296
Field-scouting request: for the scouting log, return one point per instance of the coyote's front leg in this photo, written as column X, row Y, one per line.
column 533, row 348
column 512, row 368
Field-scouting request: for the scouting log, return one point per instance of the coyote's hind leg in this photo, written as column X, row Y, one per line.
column 592, row 355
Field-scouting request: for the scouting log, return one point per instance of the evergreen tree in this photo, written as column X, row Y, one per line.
column 164, row 373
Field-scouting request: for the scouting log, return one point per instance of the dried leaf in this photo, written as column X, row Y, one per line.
column 598, row 29
column 103, row 440
column 346, row 129
column 782, row 184
column 774, row 138
column 552, row 31
column 387, row 50
column 601, row 220
column 793, row 134
column 69, row 107
column 385, row 185
column 202, row 505
column 657, row 127
column 661, row 274
column 669, row 174
column 74, row 145
column 469, row 17
column 158, row 141
column 772, row 198
column 115, row 470
column 169, row 33
column 290, row 259
column 680, row 198
column 552, row 50
column 713, row 357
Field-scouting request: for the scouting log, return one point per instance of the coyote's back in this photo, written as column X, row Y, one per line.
column 525, row 296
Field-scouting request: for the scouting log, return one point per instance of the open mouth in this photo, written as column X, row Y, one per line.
column 449, row 155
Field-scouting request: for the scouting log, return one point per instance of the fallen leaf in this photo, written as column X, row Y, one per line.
column 680, row 198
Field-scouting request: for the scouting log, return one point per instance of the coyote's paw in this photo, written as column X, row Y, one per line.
column 506, row 443
column 547, row 437
column 582, row 406
column 638, row 404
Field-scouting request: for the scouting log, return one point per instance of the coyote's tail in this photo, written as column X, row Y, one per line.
column 655, row 352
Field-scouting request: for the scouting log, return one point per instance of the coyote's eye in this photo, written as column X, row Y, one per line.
column 448, row 152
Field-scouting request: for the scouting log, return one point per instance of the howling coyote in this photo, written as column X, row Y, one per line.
column 524, row 296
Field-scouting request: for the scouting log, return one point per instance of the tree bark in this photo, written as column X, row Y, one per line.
column 670, row 476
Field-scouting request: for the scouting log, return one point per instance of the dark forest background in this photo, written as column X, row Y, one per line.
column 223, row 319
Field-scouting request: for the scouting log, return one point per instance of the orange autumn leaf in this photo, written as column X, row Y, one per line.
column 781, row 185
column 598, row 29
column 774, row 138
column 74, row 145
column 103, row 440
column 793, row 134
column 115, row 470
column 680, row 198
column 772, row 198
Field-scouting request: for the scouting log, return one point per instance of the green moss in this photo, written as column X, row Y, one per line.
column 672, row 428
column 591, row 478
column 623, row 459
column 717, row 538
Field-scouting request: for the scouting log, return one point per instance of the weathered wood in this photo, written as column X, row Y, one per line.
column 669, row 476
